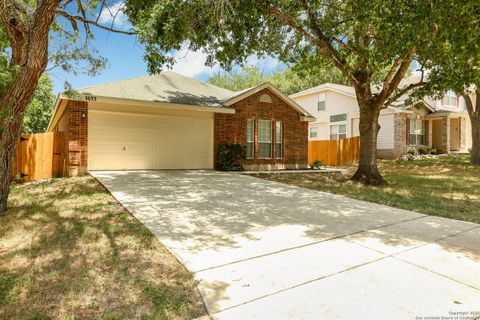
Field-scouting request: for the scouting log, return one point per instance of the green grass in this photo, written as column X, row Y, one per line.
column 68, row 250
column 446, row 186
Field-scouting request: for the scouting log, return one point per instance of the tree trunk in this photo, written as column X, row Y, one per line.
column 474, row 115
column 11, row 126
column 367, row 171
column 27, row 33
column 475, row 151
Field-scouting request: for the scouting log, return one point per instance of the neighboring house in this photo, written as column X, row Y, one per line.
column 442, row 124
column 168, row 121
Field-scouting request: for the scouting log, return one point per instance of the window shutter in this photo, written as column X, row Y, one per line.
column 426, row 131
column 407, row 131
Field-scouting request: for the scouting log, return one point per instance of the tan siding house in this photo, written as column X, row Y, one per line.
column 442, row 124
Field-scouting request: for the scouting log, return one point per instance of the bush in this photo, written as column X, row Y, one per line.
column 423, row 150
column 230, row 156
column 427, row 150
column 317, row 164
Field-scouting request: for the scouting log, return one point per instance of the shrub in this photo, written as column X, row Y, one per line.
column 230, row 156
column 423, row 150
column 317, row 164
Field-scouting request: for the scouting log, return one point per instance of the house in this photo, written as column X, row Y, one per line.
column 169, row 121
column 442, row 124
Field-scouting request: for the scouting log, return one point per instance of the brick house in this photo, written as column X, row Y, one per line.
column 439, row 123
column 168, row 121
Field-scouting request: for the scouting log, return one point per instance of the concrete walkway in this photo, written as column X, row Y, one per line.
column 265, row 250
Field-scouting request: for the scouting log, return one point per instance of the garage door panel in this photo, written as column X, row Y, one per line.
column 120, row 141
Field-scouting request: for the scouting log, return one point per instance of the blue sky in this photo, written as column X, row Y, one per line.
column 125, row 60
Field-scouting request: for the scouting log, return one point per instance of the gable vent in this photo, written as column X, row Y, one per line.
column 265, row 98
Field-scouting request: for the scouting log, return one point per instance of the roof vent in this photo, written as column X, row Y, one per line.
column 265, row 98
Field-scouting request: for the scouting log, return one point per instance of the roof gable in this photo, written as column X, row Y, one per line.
column 338, row 88
column 238, row 96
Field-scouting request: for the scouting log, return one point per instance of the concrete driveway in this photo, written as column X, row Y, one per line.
column 265, row 250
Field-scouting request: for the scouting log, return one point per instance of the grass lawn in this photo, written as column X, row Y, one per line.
column 68, row 250
column 445, row 186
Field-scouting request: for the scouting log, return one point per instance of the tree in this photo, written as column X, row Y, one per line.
column 38, row 112
column 289, row 80
column 360, row 38
column 247, row 77
column 26, row 30
column 296, row 78
column 455, row 65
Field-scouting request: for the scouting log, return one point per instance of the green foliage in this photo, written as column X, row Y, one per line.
column 317, row 164
column 427, row 150
column 289, row 81
column 247, row 77
column 72, row 93
column 7, row 71
column 365, row 36
column 230, row 156
column 454, row 63
column 38, row 112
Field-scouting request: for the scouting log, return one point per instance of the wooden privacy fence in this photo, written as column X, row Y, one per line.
column 39, row 156
column 334, row 152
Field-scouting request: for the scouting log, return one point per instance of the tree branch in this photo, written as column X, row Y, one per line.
column 92, row 22
column 403, row 91
column 469, row 103
column 326, row 47
column 402, row 69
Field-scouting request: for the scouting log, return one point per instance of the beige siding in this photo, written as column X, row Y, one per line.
column 337, row 103
column 468, row 133
column 128, row 140
column 386, row 135
column 355, row 127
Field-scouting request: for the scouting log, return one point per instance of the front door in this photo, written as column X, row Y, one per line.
column 455, row 134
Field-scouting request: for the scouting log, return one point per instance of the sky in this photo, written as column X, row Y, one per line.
column 125, row 59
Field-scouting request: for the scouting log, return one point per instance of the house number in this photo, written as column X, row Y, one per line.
column 90, row 98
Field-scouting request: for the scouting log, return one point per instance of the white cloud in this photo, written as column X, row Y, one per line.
column 114, row 13
column 192, row 64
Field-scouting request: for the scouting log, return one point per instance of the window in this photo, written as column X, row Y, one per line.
column 451, row 99
column 416, row 135
column 338, row 117
column 264, row 138
column 338, row 131
column 278, row 140
column 322, row 99
column 250, row 138
column 313, row 132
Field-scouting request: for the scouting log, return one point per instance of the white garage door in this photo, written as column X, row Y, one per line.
column 120, row 141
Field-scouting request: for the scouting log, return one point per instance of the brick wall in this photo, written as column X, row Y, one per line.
column 400, row 135
column 232, row 128
column 74, row 124
column 446, row 135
